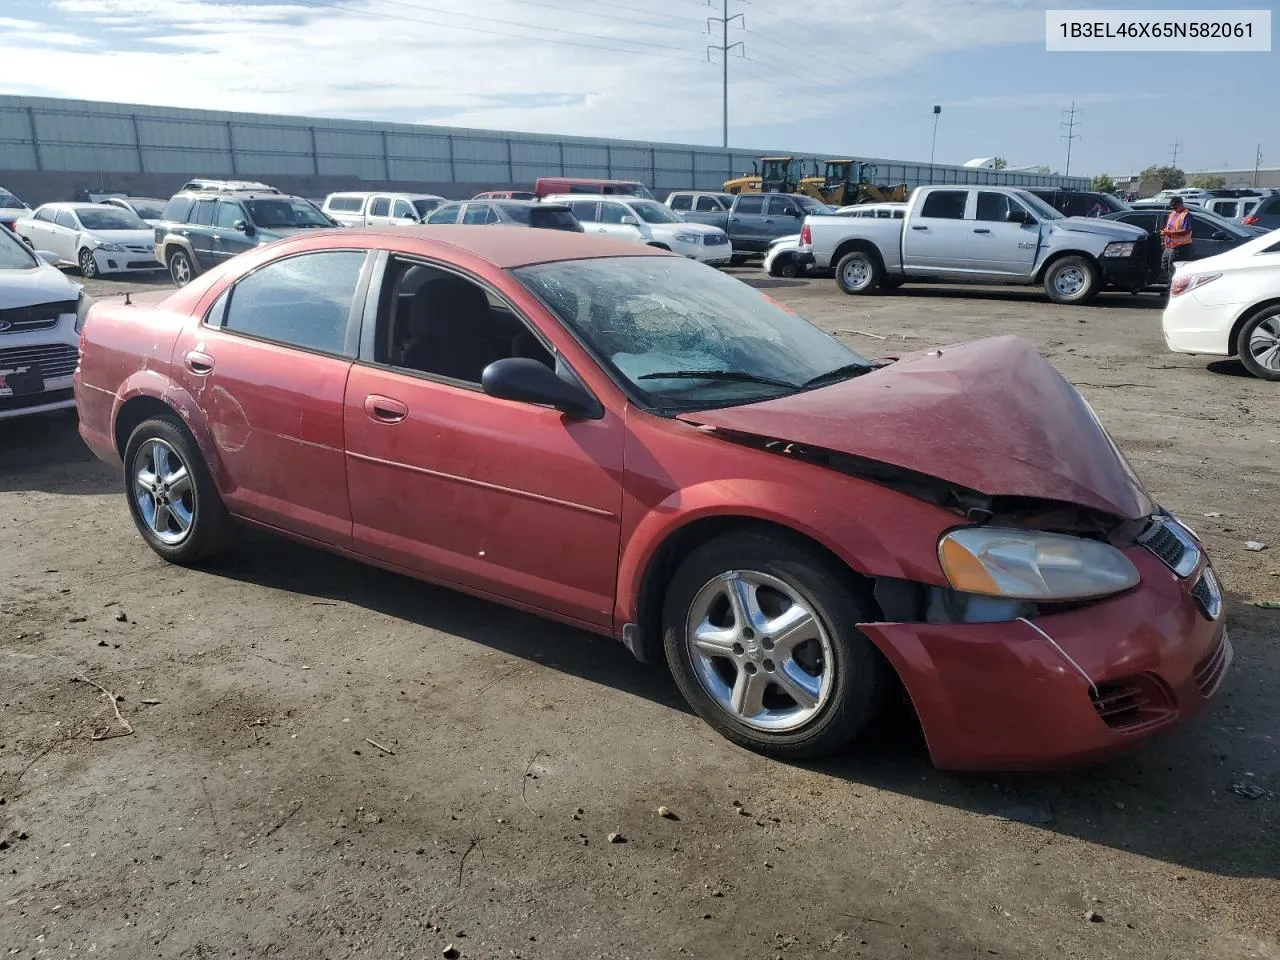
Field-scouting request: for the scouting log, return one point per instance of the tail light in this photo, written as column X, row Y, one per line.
column 1250, row 221
column 1182, row 282
column 806, row 236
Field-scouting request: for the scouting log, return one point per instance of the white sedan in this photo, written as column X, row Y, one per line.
column 92, row 236
column 1229, row 305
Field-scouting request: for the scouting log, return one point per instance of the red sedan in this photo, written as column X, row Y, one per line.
column 645, row 447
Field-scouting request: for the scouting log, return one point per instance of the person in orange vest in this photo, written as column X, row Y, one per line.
column 1177, row 236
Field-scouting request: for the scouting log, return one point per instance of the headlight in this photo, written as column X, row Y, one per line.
column 111, row 247
column 688, row 238
column 1026, row 565
column 82, row 310
column 1119, row 249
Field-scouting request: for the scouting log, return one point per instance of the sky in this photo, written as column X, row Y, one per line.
column 836, row 77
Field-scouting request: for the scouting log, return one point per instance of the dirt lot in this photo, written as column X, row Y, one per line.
column 249, row 816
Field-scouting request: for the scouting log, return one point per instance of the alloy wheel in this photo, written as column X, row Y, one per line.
column 760, row 650
column 180, row 269
column 163, row 491
column 1264, row 343
column 88, row 266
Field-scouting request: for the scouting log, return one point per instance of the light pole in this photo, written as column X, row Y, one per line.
column 937, row 111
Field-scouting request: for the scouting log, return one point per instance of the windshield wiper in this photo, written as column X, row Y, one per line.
column 741, row 376
column 839, row 373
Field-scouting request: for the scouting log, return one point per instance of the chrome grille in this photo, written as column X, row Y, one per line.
column 55, row 359
column 42, row 316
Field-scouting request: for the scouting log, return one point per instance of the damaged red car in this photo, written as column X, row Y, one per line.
column 645, row 447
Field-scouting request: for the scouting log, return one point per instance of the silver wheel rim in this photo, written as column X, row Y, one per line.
column 163, row 491
column 181, row 270
column 857, row 273
column 87, row 266
column 760, row 651
column 1264, row 344
column 1069, row 281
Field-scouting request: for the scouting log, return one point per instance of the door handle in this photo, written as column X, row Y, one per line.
column 201, row 364
column 919, row 227
column 385, row 409
column 768, row 220
column 981, row 230
column 734, row 220
column 185, row 233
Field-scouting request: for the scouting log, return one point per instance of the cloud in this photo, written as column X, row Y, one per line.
column 553, row 66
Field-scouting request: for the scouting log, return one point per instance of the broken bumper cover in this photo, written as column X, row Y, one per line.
column 1064, row 689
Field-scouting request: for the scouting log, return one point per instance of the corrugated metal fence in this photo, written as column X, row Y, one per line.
column 43, row 134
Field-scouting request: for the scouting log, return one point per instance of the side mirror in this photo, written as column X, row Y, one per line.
column 48, row 256
column 243, row 227
column 630, row 221
column 1017, row 216
column 1221, row 235
column 528, row 381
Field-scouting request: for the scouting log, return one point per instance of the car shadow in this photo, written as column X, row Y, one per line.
column 44, row 452
column 771, row 283
column 1108, row 299
column 1170, row 801
column 1229, row 368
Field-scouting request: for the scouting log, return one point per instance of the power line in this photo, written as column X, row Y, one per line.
column 725, row 46
column 497, row 33
column 679, row 24
column 1070, row 122
column 825, row 38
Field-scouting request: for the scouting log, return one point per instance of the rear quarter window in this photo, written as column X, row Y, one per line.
column 177, row 209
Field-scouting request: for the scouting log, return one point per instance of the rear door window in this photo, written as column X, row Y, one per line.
column 552, row 219
column 946, row 204
column 204, row 213
column 303, row 301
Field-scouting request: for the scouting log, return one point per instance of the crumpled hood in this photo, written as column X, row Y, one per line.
column 28, row 288
column 1103, row 228
column 990, row 415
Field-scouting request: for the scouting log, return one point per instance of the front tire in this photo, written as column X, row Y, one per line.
column 1072, row 280
column 88, row 265
column 760, row 632
column 858, row 272
column 181, row 270
column 785, row 267
column 172, row 497
column 1258, row 344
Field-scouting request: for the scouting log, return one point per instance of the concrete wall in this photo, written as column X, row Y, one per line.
column 51, row 148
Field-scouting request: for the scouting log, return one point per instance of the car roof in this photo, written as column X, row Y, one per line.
column 574, row 197
column 235, row 195
column 507, row 248
column 79, row 205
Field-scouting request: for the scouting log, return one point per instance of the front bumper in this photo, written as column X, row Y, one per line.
column 1132, row 272
column 1000, row 696
column 715, row 255
column 124, row 261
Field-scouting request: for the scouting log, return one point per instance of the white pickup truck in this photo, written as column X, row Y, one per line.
column 982, row 234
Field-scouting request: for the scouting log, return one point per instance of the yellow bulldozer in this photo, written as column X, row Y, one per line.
column 771, row 175
column 848, row 182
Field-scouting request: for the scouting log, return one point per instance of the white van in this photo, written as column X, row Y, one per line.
column 380, row 209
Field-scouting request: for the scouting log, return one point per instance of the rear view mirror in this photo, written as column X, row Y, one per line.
column 528, row 381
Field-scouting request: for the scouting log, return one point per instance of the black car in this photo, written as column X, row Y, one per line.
column 1080, row 203
column 1210, row 234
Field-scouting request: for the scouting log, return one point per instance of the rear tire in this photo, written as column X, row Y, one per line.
column 1072, row 280
column 171, row 495
column 181, row 270
column 805, row 640
column 1258, row 344
column 737, row 260
column 859, row 272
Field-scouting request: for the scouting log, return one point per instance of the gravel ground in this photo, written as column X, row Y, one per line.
column 250, row 816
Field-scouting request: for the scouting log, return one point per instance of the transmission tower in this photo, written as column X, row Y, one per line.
column 1069, row 123
column 724, row 47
